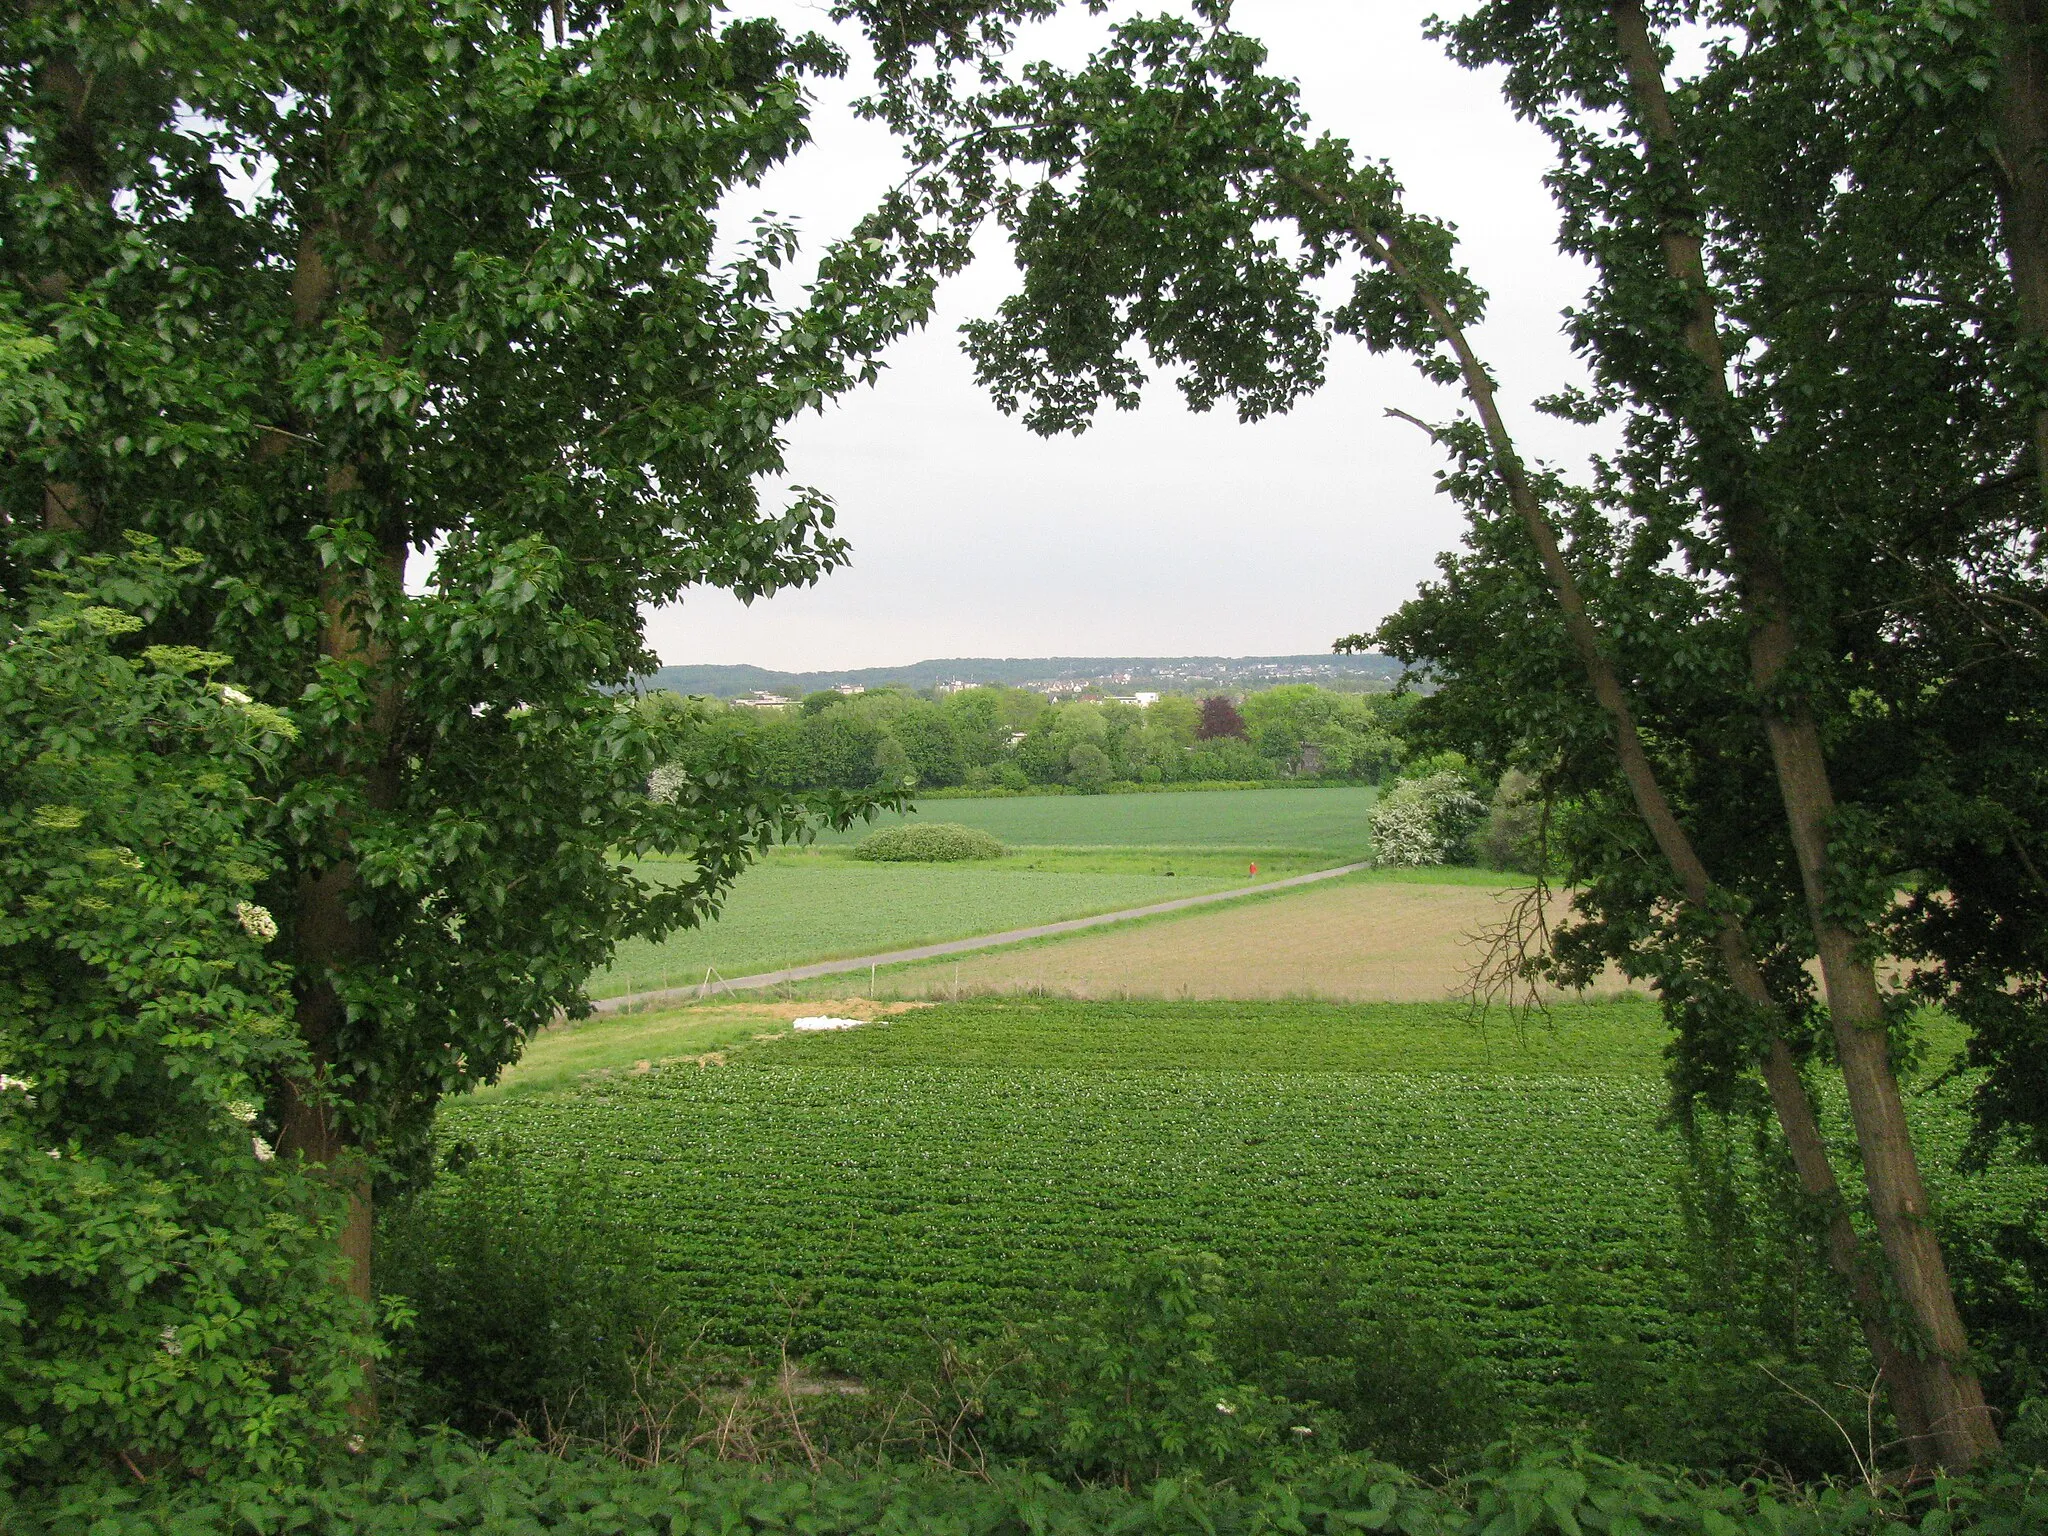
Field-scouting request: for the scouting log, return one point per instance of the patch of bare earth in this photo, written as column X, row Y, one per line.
column 1360, row 942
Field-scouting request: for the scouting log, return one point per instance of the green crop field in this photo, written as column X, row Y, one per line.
column 793, row 910
column 1331, row 823
column 940, row 1170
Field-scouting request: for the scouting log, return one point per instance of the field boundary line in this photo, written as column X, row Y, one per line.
column 795, row 973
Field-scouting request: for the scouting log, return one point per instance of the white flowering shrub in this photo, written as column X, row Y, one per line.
column 663, row 783
column 1424, row 821
column 166, row 1295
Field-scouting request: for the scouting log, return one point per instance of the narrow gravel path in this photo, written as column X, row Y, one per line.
column 960, row 946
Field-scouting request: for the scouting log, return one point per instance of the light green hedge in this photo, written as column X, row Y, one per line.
column 939, row 842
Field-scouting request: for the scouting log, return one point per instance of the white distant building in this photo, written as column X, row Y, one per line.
column 759, row 699
column 849, row 689
column 952, row 685
column 1141, row 700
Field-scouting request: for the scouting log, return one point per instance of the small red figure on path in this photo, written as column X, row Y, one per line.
column 1255, row 869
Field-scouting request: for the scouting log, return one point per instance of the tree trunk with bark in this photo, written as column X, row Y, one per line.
column 80, row 168
column 1789, row 1099
column 328, row 936
column 1958, row 1421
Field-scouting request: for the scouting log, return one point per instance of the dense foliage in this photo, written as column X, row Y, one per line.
column 1011, row 738
column 317, row 289
column 1856, row 240
column 1425, row 819
column 936, row 842
column 166, row 1282
column 531, row 1297
column 437, row 1484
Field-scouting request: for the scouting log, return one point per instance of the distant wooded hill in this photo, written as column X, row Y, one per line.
column 1165, row 673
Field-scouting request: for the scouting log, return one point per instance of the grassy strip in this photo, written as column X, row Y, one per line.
column 1134, row 787
column 587, row 1053
column 1432, row 1037
column 1332, row 822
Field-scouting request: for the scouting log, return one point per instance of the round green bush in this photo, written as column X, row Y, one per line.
column 940, row 842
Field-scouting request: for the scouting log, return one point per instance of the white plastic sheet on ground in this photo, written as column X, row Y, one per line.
column 826, row 1021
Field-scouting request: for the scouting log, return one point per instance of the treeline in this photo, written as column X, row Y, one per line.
column 1013, row 739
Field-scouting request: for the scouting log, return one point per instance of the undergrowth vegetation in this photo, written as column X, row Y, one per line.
column 444, row 1484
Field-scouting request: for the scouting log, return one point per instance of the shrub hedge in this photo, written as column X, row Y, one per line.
column 939, row 842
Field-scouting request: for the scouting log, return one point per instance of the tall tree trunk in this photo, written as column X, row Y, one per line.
column 2021, row 128
column 1950, row 1393
column 1789, row 1099
column 328, row 936
column 313, row 1127
column 81, row 169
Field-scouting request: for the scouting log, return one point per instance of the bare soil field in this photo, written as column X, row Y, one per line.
column 1350, row 941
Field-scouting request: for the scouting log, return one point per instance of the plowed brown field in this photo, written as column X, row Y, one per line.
column 1355, row 941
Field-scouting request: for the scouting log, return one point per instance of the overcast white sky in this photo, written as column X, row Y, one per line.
column 1159, row 532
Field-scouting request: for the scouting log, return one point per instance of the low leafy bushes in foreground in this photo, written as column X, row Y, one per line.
column 1163, row 1366
column 1146, row 1400
column 446, row 1484
column 533, row 1300
column 537, row 1311
column 1158, row 1367
column 1392, row 1380
column 939, row 842
column 166, row 1296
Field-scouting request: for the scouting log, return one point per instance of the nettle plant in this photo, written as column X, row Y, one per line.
column 166, row 1282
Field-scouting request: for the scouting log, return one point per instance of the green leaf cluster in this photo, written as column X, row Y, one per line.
column 166, row 1282
column 444, row 1484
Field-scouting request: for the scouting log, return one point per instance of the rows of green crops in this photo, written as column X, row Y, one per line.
column 937, row 1173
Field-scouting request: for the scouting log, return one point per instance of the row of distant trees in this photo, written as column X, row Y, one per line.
column 1011, row 738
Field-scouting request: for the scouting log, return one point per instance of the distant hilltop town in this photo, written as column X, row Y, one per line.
column 1128, row 677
